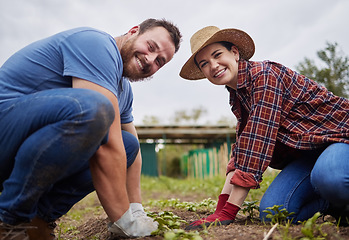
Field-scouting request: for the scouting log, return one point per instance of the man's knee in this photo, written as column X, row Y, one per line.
column 104, row 110
column 131, row 144
column 98, row 111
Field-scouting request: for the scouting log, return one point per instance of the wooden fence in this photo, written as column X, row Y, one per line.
column 206, row 163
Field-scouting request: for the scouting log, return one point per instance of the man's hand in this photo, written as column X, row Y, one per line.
column 130, row 226
column 137, row 210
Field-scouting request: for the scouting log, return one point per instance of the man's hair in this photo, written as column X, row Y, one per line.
column 169, row 26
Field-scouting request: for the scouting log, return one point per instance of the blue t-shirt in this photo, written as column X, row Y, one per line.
column 50, row 63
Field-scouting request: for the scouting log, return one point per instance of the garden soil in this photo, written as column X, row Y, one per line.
column 95, row 227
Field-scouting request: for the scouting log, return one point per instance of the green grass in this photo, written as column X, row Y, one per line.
column 197, row 188
column 182, row 187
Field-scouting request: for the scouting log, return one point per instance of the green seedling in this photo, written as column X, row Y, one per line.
column 313, row 231
column 277, row 215
column 167, row 222
column 285, row 231
column 64, row 228
column 169, row 227
column 208, row 204
column 250, row 208
column 180, row 234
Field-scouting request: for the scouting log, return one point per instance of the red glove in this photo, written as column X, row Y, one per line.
column 224, row 217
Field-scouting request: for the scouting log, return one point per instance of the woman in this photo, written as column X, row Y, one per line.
column 285, row 121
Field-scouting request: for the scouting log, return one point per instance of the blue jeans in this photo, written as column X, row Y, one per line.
column 46, row 141
column 306, row 186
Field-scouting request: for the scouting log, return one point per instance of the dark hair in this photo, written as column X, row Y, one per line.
column 227, row 45
column 170, row 27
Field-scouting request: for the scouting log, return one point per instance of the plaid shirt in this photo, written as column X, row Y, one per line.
column 274, row 104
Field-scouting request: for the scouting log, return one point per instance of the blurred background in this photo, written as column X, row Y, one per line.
column 289, row 32
column 283, row 31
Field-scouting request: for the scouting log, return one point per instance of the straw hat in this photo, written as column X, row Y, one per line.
column 212, row 34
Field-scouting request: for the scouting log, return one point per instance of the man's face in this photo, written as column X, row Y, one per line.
column 145, row 54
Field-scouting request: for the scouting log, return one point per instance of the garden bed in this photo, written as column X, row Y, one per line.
column 87, row 219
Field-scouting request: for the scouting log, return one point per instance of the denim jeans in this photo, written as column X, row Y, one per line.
column 46, row 141
column 307, row 186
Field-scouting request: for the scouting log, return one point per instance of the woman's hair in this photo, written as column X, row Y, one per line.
column 227, row 45
column 169, row 26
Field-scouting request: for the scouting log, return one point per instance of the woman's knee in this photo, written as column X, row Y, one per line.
column 330, row 175
column 263, row 206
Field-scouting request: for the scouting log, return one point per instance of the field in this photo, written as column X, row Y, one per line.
column 176, row 202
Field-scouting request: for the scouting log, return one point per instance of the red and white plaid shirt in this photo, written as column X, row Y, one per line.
column 274, row 104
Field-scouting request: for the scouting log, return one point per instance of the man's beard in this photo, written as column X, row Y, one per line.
column 127, row 54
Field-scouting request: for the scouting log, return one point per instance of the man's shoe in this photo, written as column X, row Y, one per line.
column 13, row 232
column 41, row 230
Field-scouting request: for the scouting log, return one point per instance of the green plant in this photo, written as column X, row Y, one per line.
column 313, row 231
column 180, row 234
column 285, row 231
column 167, row 221
column 277, row 215
column 64, row 228
column 250, row 207
column 169, row 227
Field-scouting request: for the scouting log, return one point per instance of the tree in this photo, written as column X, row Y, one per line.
column 227, row 120
column 334, row 75
column 197, row 113
column 192, row 116
column 150, row 120
column 181, row 115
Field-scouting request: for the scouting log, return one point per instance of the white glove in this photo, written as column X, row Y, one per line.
column 137, row 210
column 129, row 226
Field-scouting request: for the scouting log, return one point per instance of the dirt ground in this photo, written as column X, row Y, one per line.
column 94, row 227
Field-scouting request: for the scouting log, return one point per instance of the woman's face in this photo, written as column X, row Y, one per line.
column 218, row 64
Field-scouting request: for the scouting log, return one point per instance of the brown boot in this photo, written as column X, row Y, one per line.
column 13, row 232
column 42, row 231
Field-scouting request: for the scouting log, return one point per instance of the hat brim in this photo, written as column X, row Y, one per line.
column 239, row 38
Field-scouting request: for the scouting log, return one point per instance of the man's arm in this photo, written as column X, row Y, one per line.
column 108, row 165
column 134, row 171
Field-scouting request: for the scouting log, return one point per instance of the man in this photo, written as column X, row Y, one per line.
column 66, row 127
